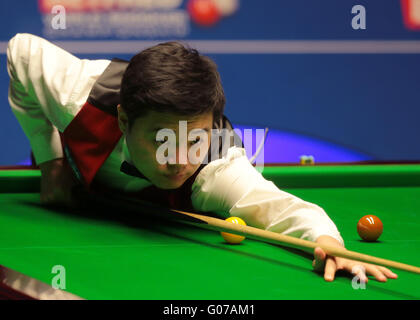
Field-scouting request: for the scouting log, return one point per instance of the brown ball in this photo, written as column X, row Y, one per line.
column 370, row 228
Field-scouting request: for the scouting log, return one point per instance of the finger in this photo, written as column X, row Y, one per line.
column 374, row 271
column 388, row 273
column 340, row 263
column 319, row 261
column 330, row 269
column 360, row 271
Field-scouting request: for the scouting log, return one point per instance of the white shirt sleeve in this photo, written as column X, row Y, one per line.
column 48, row 86
column 233, row 185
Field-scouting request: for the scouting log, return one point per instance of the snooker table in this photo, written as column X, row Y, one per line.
column 111, row 255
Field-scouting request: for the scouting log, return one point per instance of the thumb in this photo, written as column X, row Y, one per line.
column 319, row 259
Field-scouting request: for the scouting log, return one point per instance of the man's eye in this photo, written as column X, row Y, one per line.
column 198, row 140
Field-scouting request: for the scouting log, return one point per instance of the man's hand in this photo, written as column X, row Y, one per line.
column 330, row 265
column 57, row 181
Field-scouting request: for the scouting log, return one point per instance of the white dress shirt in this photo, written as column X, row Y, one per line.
column 48, row 87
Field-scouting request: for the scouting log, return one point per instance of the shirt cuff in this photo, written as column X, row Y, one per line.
column 315, row 233
column 46, row 146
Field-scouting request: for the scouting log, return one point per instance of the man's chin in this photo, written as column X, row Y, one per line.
column 169, row 184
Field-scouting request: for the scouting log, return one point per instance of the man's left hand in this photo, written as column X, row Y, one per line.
column 329, row 265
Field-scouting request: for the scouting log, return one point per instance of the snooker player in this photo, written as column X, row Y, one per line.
column 96, row 122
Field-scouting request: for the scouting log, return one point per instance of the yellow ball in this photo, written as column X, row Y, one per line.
column 233, row 238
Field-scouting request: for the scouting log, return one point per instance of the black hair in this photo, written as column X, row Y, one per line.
column 170, row 77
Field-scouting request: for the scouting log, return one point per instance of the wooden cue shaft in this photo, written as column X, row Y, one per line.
column 250, row 232
column 277, row 238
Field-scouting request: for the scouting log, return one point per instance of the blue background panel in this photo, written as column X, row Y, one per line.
column 364, row 104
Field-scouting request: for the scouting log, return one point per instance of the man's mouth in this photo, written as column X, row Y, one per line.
column 178, row 176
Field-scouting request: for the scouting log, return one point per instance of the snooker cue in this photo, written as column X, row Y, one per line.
column 281, row 239
column 112, row 199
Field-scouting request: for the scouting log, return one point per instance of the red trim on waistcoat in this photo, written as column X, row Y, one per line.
column 90, row 138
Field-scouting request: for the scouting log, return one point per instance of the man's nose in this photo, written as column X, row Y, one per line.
column 180, row 157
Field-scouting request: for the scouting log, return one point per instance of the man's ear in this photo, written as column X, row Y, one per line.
column 122, row 119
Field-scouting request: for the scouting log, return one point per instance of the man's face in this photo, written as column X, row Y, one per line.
column 144, row 148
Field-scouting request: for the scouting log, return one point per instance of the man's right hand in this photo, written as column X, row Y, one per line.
column 57, row 182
